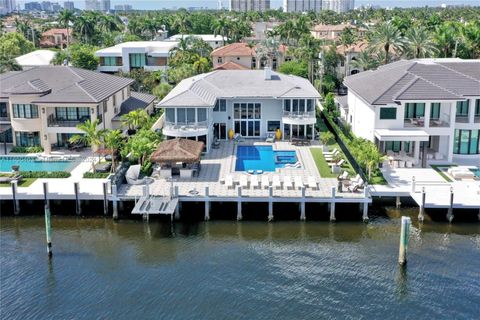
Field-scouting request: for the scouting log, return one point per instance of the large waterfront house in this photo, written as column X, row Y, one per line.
column 427, row 109
column 43, row 105
column 251, row 103
column 147, row 55
column 55, row 38
column 240, row 55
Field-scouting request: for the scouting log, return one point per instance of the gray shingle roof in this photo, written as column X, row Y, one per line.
column 423, row 79
column 203, row 90
column 136, row 101
column 60, row 84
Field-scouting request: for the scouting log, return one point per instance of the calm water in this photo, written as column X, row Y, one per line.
column 229, row 270
column 30, row 164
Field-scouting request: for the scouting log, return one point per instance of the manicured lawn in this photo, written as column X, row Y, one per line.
column 322, row 165
column 25, row 183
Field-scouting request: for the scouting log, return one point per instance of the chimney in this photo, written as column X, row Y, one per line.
column 268, row 73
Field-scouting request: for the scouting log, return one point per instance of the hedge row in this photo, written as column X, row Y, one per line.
column 96, row 175
column 44, row 174
column 17, row 149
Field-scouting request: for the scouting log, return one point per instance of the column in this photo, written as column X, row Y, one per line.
column 416, row 152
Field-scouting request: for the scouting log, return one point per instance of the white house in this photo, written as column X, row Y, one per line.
column 41, row 57
column 428, row 109
column 214, row 41
column 251, row 103
column 42, row 106
column 148, row 55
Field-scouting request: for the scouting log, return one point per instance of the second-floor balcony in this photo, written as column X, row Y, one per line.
column 418, row 122
column 476, row 119
column 53, row 121
column 299, row 117
column 185, row 129
column 461, row 118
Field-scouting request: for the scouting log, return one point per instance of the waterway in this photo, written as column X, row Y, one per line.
column 238, row 270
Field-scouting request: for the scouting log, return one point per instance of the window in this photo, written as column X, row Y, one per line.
column 394, row 146
column 247, row 119
column 287, row 105
column 310, row 105
column 114, row 97
column 190, row 115
column 109, row 61
column 435, row 111
column 137, row 60
column 477, row 108
column 254, row 63
column 181, row 115
column 202, row 114
column 414, row 110
column 272, row 126
column 3, row 110
column 462, row 108
column 466, row 142
column 220, row 105
column 25, row 111
column 27, row 139
column 388, row 113
column 104, row 106
column 219, row 60
column 170, row 115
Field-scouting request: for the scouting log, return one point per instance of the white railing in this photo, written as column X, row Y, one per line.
column 185, row 125
column 442, row 121
column 299, row 114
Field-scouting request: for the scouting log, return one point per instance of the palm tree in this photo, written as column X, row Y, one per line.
column 65, row 18
column 445, row 37
column 221, row 27
column 471, row 35
column 9, row 64
column 113, row 140
column 109, row 23
column 91, row 135
column 182, row 22
column 386, row 37
column 347, row 39
column 419, row 42
column 134, row 119
column 84, row 26
column 365, row 61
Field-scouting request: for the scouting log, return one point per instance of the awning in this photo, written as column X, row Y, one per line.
column 401, row 135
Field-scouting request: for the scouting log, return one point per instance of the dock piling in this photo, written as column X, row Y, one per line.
column 45, row 194
column 105, row 200
column 404, row 236
column 16, row 202
column 365, row 204
column 207, row 203
column 176, row 193
column 398, row 204
column 302, row 205
column 421, row 210
column 270, row 203
column 450, row 208
column 48, row 229
column 115, row 201
column 332, row 205
column 239, row 204
column 413, row 184
column 78, row 205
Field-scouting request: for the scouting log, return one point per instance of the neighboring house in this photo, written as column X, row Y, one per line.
column 36, row 58
column 350, row 53
column 147, row 55
column 45, row 104
column 251, row 103
column 247, row 56
column 55, row 38
column 261, row 30
column 427, row 108
column 214, row 41
column 334, row 31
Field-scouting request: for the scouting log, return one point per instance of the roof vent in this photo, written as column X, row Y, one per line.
column 268, row 73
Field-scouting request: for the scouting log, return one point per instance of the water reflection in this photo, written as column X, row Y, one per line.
column 402, row 282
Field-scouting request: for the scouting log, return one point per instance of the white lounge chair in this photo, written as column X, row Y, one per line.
column 338, row 163
column 243, row 182
column 265, row 181
column 254, row 181
column 354, row 187
column 298, row 182
column 287, row 182
column 229, row 181
column 277, row 184
column 461, row 173
column 270, row 138
column 343, row 176
column 132, row 175
column 333, row 152
column 311, row 183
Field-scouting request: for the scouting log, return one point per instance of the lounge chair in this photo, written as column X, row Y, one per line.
column 343, row 176
column 243, row 182
column 133, row 175
column 229, row 181
column 338, row 163
column 298, row 182
column 333, row 152
column 277, row 184
column 270, row 138
column 103, row 167
column 254, row 181
column 287, row 182
column 354, row 187
column 265, row 181
column 311, row 183
column 461, row 173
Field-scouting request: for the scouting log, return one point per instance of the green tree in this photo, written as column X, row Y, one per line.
column 83, row 56
column 297, row 68
column 135, row 119
column 9, row 64
column 471, row 35
column 113, row 140
column 175, row 75
column 347, row 39
column 90, row 136
column 140, row 146
column 419, row 43
column 162, row 90
column 386, row 37
column 64, row 19
column 221, row 27
column 13, row 44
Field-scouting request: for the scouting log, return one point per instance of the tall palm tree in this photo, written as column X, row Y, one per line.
column 420, row 42
column 90, row 134
column 347, row 39
column 471, row 35
column 445, row 37
column 135, row 119
column 85, row 26
column 108, row 23
column 113, row 140
column 65, row 18
column 386, row 36
column 221, row 27
column 365, row 61
column 181, row 22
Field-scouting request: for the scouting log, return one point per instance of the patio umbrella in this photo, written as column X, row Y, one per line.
column 178, row 150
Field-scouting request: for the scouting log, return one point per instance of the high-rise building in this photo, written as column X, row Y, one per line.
column 92, row 5
column 7, row 6
column 123, row 7
column 105, row 5
column 302, row 5
column 338, row 5
column 249, row 5
column 69, row 5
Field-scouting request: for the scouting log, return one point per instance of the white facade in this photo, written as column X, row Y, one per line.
column 302, row 5
column 249, row 5
column 149, row 55
column 215, row 41
column 338, row 6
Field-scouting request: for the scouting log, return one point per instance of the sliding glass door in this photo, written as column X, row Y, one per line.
column 247, row 117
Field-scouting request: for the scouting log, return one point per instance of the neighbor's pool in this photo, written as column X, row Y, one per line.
column 262, row 158
column 476, row 172
column 32, row 164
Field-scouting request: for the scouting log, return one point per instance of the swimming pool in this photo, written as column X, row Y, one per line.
column 33, row 164
column 476, row 172
column 262, row 158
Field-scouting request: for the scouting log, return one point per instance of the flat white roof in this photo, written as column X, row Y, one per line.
column 36, row 58
column 205, row 37
column 148, row 46
column 401, row 135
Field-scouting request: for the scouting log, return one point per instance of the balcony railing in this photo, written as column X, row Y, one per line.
column 52, row 121
column 299, row 114
column 186, row 125
column 476, row 119
column 414, row 122
column 461, row 119
column 4, row 118
column 442, row 121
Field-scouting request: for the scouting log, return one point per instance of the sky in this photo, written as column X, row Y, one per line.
column 172, row 4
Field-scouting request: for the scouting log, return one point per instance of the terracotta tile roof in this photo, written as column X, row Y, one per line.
column 230, row 65
column 239, row 49
column 55, row 31
column 357, row 47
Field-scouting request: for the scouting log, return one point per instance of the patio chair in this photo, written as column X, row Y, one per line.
column 343, row 176
column 229, row 182
column 287, row 182
column 243, row 182
column 133, row 175
column 265, row 182
column 337, row 164
column 311, row 183
column 354, row 187
column 103, row 167
column 298, row 182
column 254, row 182
column 333, row 152
column 270, row 138
column 277, row 184
column 356, row 179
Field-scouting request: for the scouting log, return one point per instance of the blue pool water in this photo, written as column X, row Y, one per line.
column 32, row 164
column 262, row 158
column 476, row 172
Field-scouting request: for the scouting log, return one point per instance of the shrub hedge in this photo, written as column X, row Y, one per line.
column 17, row 149
column 44, row 174
column 96, row 175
